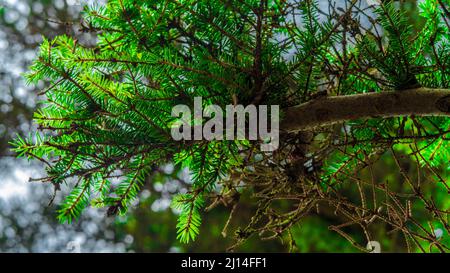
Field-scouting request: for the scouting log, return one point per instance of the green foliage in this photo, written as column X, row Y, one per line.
column 107, row 108
column 190, row 219
column 75, row 202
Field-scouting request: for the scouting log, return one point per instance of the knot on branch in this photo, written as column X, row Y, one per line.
column 443, row 104
column 323, row 114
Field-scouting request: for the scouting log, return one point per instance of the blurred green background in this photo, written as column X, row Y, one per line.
column 28, row 224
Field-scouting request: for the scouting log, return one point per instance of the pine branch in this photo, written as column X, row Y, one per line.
column 330, row 110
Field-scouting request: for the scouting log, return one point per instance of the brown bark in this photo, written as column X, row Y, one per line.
column 330, row 110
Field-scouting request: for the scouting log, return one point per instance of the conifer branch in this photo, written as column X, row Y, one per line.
column 330, row 110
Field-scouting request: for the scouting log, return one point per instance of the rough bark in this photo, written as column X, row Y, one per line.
column 330, row 110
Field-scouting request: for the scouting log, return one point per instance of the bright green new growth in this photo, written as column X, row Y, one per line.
column 107, row 108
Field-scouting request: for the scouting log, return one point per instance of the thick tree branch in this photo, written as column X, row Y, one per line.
column 329, row 110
